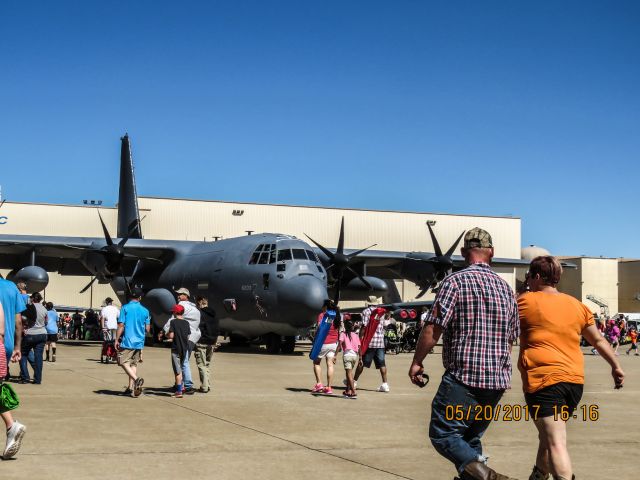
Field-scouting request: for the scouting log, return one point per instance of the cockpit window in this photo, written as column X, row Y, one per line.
column 272, row 256
column 284, row 255
column 256, row 254
column 312, row 256
column 298, row 254
column 264, row 256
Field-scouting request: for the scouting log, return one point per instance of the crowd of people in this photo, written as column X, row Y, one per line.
column 479, row 320
column 617, row 331
column 192, row 329
column 30, row 330
column 475, row 312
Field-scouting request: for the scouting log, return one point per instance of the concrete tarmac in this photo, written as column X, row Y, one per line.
column 259, row 421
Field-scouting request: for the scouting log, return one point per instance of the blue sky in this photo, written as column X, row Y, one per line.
column 488, row 108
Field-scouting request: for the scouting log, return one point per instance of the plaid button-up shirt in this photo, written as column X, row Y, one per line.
column 377, row 341
column 479, row 315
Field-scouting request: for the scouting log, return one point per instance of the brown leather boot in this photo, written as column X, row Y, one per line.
column 479, row 471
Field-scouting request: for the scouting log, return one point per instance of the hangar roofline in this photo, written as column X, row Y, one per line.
column 328, row 208
column 105, row 207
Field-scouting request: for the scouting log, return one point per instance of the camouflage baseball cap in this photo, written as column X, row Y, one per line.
column 478, row 238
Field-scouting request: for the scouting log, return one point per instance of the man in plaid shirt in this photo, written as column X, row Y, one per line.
column 477, row 314
column 375, row 350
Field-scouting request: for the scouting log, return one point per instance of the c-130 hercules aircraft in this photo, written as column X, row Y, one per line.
column 269, row 286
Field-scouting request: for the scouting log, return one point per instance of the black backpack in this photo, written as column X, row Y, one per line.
column 29, row 316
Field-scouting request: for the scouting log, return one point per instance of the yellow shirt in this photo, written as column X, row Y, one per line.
column 550, row 328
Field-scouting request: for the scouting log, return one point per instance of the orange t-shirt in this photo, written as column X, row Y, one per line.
column 634, row 336
column 550, row 328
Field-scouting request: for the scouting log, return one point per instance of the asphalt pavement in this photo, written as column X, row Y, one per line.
column 259, row 421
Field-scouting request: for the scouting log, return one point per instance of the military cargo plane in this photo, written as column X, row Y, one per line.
column 269, row 286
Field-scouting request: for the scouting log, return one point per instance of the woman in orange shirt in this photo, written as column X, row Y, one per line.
column 552, row 364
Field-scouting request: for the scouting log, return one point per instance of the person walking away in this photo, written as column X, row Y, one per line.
column 328, row 327
column 35, row 337
column 15, row 430
column 133, row 324
column 373, row 344
column 350, row 344
column 475, row 310
column 178, row 333
column 209, row 330
column 613, row 335
column 77, row 321
column 552, row 364
column 109, row 315
column 633, row 335
column 52, row 332
column 192, row 315
column 13, row 305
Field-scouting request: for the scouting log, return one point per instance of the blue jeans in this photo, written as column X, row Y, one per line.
column 186, row 368
column 35, row 343
column 459, row 440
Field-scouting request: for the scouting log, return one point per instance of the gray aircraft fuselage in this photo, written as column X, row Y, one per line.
column 265, row 283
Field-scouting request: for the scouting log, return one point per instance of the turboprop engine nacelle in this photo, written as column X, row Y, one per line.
column 159, row 301
column 35, row 277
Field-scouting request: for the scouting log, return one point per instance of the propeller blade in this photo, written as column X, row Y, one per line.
column 135, row 270
column 341, row 238
column 2, row 203
column 89, row 285
column 336, row 297
column 422, row 292
column 355, row 254
column 454, row 246
column 132, row 227
column 434, row 240
column 126, row 284
column 362, row 279
column 107, row 237
column 324, row 250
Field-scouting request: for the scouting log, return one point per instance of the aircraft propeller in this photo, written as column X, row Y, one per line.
column 341, row 262
column 442, row 263
column 114, row 254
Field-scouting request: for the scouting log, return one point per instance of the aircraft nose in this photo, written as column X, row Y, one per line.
column 301, row 299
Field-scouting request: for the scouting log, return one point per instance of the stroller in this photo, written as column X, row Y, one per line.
column 410, row 338
column 391, row 339
column 108, row 353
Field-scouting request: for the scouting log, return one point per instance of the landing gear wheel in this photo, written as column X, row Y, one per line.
column 288, row 345
column 238, row 340
column 273, row 343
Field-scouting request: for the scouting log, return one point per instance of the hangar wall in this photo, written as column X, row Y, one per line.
column 594, row 276
column 629, row 286
column 179, row 219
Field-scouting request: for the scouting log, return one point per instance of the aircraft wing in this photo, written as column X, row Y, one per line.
column 388, row 264
column 64, row 254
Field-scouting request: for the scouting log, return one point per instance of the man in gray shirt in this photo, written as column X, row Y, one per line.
column 35, row 338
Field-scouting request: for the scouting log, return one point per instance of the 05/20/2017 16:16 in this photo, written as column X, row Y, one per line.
column 517, row 413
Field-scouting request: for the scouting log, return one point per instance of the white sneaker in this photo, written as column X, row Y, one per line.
column 384, row 387
column 14, row 440
column 345, row 383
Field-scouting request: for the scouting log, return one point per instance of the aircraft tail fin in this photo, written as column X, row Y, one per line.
column 128, row 215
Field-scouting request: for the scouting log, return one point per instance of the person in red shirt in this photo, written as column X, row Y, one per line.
column 328, row 352
column 633, row 334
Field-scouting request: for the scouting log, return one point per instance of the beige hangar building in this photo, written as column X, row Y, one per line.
column 596, row 280
column 197, row 220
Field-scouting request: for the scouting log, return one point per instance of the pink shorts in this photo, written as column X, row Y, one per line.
column 3, row 361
